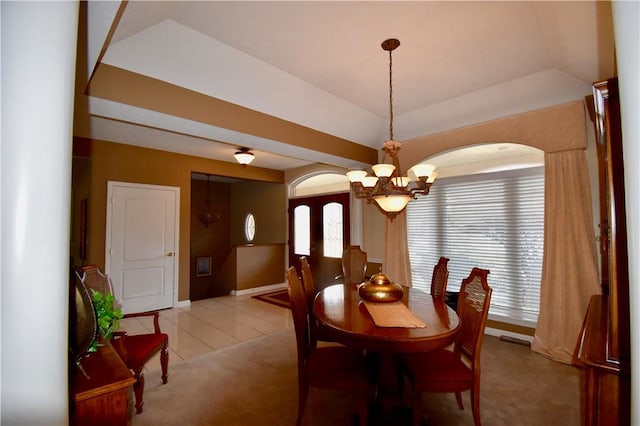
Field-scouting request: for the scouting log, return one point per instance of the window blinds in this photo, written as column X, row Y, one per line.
column 493, row 221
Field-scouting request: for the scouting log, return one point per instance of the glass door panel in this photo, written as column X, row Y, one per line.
column 302, row 231
column 332, row 230
column 319, row 230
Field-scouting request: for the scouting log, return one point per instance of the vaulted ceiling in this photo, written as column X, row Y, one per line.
column 302, row 82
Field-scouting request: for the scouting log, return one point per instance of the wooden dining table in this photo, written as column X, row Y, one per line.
column 342, row 316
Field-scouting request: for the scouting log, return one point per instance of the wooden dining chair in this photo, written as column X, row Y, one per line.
column 354, row 265
column 329, row 367
column 307, row 280
column 310, row 293
column 135, row 350
column 443, row 370
column 439, row 279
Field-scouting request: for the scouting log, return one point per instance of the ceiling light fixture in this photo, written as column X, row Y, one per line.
column 244, row 156
column 390, row 190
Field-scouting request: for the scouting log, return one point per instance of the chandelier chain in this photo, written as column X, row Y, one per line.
column 390, row 97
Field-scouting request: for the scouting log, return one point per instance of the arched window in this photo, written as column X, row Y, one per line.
column 324, row 183
column 489, row 214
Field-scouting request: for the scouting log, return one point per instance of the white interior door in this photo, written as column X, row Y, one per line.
column 141, row 244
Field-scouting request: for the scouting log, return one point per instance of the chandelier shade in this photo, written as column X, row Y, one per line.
column 383, row 170
column 244, row 156
column 393, row 203
column 386, row 187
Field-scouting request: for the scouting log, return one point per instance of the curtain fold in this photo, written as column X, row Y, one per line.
column 396, row 251
column 569, row 267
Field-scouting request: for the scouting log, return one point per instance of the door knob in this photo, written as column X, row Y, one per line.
column 170, row 254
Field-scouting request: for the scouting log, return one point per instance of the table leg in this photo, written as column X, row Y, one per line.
column 388, row 406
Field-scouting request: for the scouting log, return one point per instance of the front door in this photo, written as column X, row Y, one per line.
column 141, row 244
column 319, row 230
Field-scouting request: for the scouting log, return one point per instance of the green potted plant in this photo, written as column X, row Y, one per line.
column 107, row 314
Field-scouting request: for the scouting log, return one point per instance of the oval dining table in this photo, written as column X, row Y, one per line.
column 343, row 317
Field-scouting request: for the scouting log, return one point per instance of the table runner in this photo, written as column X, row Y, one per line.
column 393, row 314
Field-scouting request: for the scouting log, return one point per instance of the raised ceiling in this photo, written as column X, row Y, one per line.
column 319, row 68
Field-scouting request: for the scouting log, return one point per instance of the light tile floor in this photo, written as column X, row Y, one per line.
column 211, row 324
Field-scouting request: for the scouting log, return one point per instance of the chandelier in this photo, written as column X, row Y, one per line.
column 387, row 187
column 207, row 217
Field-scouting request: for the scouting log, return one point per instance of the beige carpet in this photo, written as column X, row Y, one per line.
column 254, row 383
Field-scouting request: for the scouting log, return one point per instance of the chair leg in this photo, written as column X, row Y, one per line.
column 363, row 411
column 417, row 408
column 475, row 403
column 459, row 399
column 138, row 388
column 303, row 390
column 400, row 382
column 164, row 362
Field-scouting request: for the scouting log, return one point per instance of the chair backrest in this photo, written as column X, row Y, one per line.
column 473, row 308
column 300, row 313
column 439, row 279
column 354, row 265
column 94, row 279
column 307, row 280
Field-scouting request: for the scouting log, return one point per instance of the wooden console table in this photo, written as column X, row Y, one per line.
column 102, row 397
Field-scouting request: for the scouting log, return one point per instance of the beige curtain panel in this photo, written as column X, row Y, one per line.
column 569, row 267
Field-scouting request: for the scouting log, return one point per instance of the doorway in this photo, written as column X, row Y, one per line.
column 319, row 230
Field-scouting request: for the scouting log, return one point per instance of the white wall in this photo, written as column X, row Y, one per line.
column 626, row 16
column 38, row 68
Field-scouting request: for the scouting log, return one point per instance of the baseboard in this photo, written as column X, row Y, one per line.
column 497, row 332
column 261, row 289
column 182, row 304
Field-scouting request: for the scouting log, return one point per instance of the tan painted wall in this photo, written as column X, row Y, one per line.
column 268, row 204
column 252, row 266
column 259, row 265
column 125, row 163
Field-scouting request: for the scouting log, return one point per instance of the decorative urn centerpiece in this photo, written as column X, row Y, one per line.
column 380, row 289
